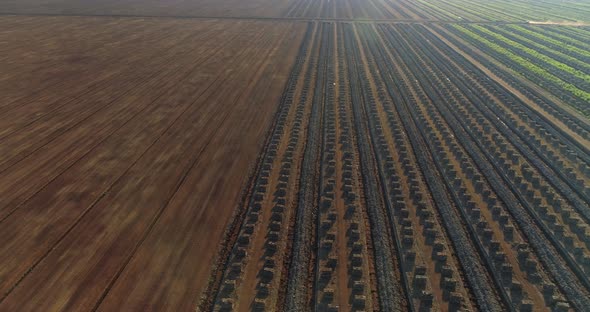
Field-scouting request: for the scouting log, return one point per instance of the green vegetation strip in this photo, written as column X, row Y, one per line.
column 576, row 34
column 545, row 48
column 526, row 63
column 437, row 10
column 535, row 54
column 476, row 15
column 543, row 11
column 502, row 14
column 551, row 40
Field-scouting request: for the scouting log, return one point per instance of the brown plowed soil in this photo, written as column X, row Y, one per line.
column 134, row 179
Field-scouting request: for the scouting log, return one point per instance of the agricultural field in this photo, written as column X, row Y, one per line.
column 544, row 58
column 432, row 187
column 569, row 11
column 379, row 155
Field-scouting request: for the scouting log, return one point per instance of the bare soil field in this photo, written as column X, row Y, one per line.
column 102, row 157
column 500, row 11
column 371, row 9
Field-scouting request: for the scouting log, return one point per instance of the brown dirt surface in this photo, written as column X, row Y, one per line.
column 132, row 168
